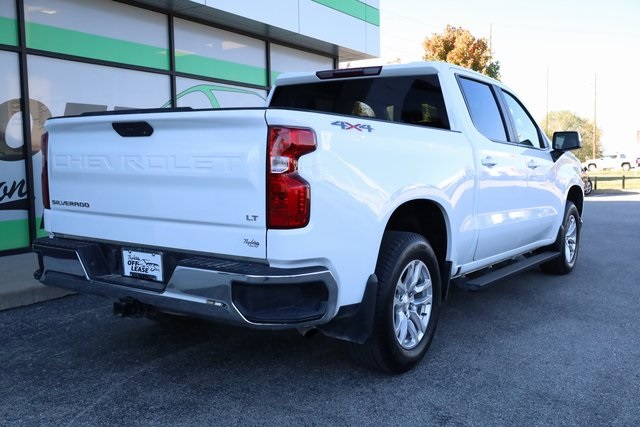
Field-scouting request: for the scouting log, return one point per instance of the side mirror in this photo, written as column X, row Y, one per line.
column 567, row 140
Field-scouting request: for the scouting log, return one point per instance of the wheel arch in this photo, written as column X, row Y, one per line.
column 427, row 218
column 576, row 196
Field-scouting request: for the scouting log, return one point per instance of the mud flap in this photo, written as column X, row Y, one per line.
column 354, row 323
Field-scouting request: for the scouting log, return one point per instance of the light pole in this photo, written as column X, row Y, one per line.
column 546, row 124
column 595, row 95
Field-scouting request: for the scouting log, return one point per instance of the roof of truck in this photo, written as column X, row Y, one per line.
column 413, row 68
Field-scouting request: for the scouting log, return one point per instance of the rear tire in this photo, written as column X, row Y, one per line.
column 569, row 244
column 407, row 305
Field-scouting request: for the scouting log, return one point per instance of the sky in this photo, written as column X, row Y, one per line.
column 577, row 55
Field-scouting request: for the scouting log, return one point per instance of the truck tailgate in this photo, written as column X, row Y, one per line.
column 182, row 180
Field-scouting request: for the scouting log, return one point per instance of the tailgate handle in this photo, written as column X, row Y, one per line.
column 132, row 129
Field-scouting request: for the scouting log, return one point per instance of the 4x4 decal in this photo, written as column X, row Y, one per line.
column 348, row 126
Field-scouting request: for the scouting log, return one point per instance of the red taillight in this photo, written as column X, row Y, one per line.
column 44, row 146
column 289, row 196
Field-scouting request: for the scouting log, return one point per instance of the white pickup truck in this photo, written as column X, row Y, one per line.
column 610, row 161
column 348, row 205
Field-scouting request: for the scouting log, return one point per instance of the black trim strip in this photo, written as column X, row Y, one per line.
column 26, row 122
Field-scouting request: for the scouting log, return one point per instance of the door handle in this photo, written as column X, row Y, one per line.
column 532, row 164
column 488, row 162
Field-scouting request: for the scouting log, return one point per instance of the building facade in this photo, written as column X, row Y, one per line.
column 66, row 57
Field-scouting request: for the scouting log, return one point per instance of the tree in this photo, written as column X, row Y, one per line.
column 458, row 46
column 566, row 120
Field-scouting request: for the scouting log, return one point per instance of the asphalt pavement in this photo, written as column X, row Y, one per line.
column 534, row 350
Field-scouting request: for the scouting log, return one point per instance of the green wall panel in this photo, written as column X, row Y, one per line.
column 14, row 234
column 354, row 8
column 8, row 31
column 215, row 68
column 77, row 43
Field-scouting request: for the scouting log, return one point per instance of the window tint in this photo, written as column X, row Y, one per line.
column 414, row 100
column 483, row 109
column 526, row 129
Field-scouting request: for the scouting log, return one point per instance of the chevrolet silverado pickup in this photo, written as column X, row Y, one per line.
column 348, row 205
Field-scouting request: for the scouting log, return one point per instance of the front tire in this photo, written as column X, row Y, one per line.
column 569, row 243
column 407, row 304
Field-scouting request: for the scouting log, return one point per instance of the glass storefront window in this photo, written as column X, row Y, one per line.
column 14, row 206
column 202, row 94
column 207, row 51
column 288, row 59
column 71, row 88
column 8, row 24
column 108, row 31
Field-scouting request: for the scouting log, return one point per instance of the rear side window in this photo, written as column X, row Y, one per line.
column 415, row 100
column 483, row 108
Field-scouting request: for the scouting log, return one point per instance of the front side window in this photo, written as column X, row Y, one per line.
column 483, row 108
column 526, row 129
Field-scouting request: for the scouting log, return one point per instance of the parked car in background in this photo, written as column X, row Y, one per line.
column 611, row 161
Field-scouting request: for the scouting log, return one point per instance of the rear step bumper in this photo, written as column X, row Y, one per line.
column 243, row 293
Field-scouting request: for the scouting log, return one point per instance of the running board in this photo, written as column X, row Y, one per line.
column 496, row 274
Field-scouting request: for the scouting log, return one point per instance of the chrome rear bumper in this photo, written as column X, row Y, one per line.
column 242, row 293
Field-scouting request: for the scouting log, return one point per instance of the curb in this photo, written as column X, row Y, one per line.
column 28, row 295
column 18, row 287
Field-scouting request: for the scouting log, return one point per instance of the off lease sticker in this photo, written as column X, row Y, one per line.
column 142, row 265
